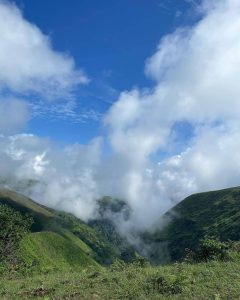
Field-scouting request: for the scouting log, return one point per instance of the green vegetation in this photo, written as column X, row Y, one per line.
column 215, row 214
column 40, row 239
column 100, row 235
column 13, row 228
column 45, row 254
column 109, row 209
column 56, row 253
column 210, row 249
column 111, row 205
column 213, row 280
column 23, row 204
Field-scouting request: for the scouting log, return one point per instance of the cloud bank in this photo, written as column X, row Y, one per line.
column 196, row 72
column 152, row 164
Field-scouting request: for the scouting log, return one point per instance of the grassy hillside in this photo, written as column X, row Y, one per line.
column 204, row 281
column 56, row 240
column 58, row 245
column 214, row 213
column 23, row 203
column 45, row 251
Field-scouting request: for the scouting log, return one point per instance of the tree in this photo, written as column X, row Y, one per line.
column 13, row 227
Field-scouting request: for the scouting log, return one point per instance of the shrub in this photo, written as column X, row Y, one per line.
column 118, row 265
column 158, row 283
column 13, row 226
column 234, row 246
column 209, row 249
column 141, row 262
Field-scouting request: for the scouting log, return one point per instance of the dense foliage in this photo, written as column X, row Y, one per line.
column 212, row 213
column 210, row 249
column 13, row 227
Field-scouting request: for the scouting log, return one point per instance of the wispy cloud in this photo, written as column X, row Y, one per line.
column 63, row 110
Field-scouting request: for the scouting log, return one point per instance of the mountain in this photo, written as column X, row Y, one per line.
column 215, row 213
column 58, row 240
column 54, row 247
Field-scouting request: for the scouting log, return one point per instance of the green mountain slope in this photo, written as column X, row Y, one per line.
column 58, row 240
column 23, row 203
column 214, row 213
column 66, row 239
column 51, row 251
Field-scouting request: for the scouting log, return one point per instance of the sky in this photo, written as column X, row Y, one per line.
column 134, row 99
column 110, row 41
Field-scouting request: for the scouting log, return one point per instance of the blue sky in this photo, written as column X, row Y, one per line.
column 111, row 41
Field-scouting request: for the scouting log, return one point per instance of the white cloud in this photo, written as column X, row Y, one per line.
column 14, row 115
column 31, row 68
column 28, row 62
column 64, row 176
column 196, row 72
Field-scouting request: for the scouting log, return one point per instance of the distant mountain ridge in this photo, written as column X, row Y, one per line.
column 215, row 213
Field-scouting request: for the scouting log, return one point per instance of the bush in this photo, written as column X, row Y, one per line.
column 13, row 227
column 118, row 265
column 209, row 249
column 158, row 283
column 234, row 246
column 141, row 261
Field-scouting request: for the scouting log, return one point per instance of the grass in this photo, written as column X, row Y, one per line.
column 56, row 252
column 213, row 280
